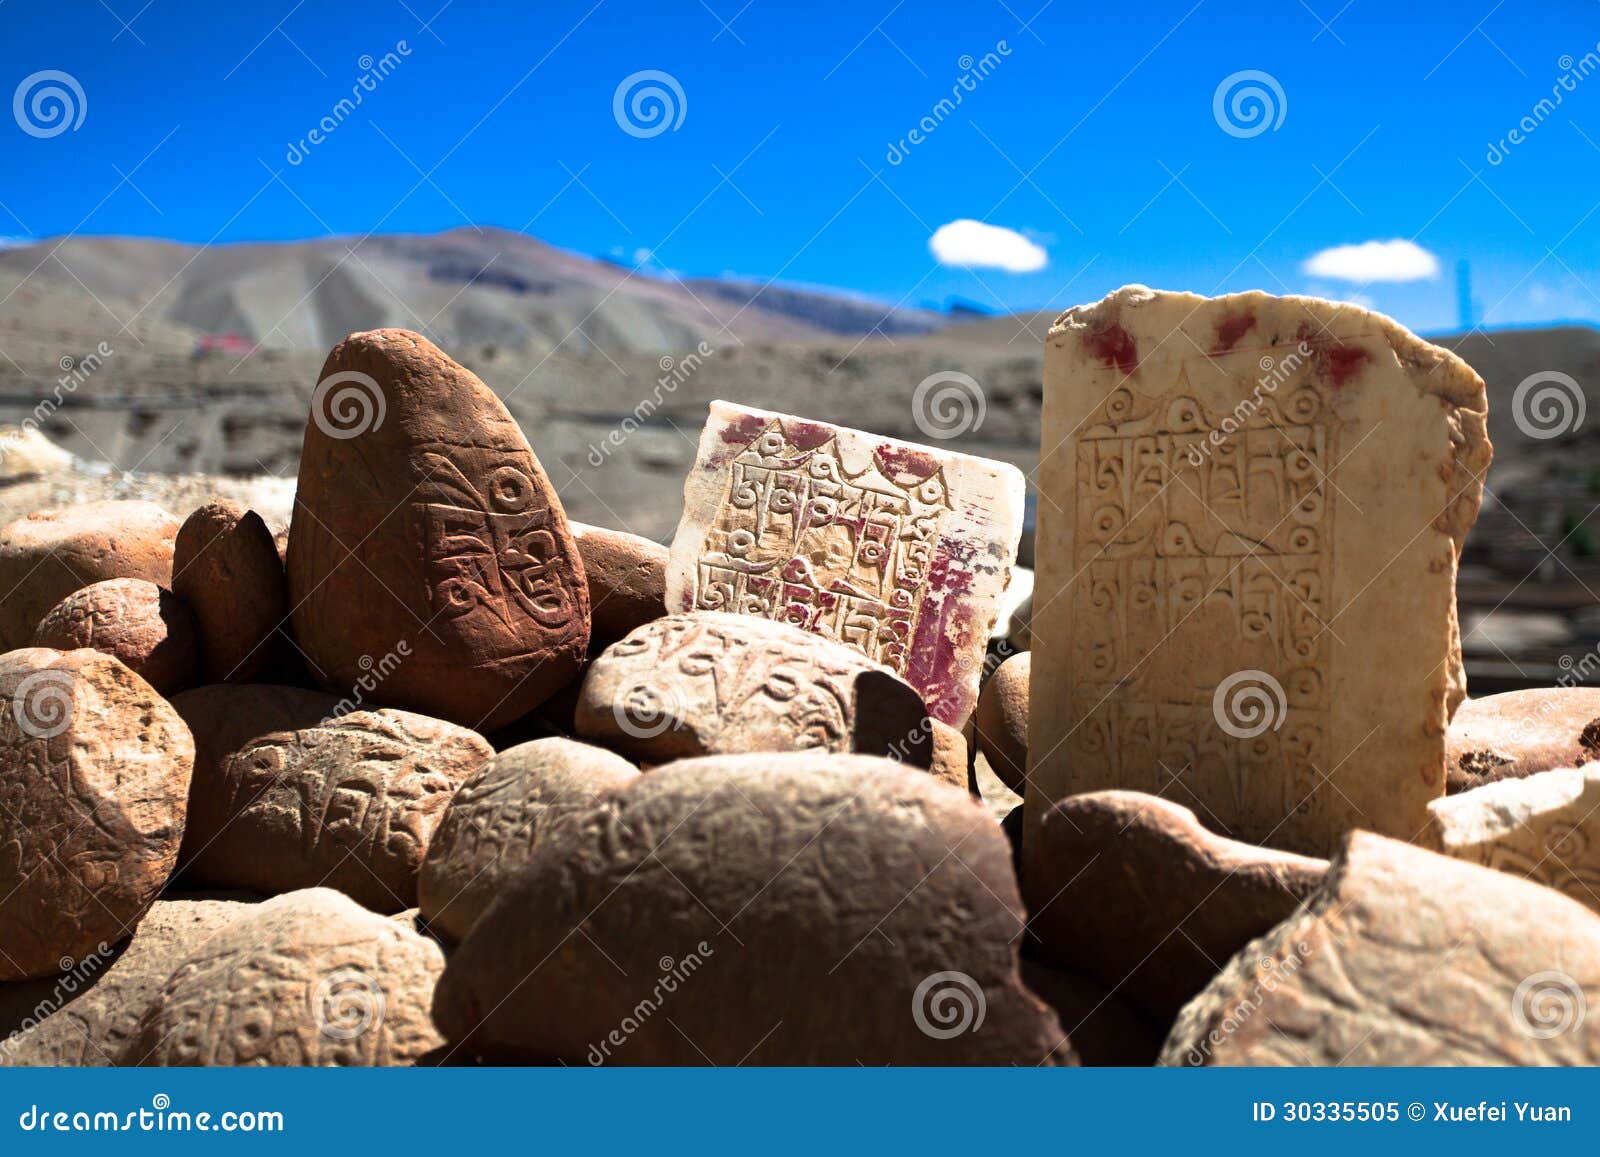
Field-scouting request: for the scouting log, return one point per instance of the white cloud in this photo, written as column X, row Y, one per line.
column 1395, row 260
column 968, row 243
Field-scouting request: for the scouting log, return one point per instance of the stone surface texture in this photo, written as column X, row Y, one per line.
column 1521, row 733
column 627, row 577
column 1002, row 720
column 149, row 629
column 226, row 567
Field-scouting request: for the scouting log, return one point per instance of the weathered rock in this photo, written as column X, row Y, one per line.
column 148, row 628
column 89, row 1013
column 1104, row 1029
column 778, row 909
column 226, row 567
column 421, row 504
column 309, row 978
column 94, row 774
column 627, row 577
column 47, row 555
column 1522, row 733
column 293, row 789
column 950, row 762
column 713, row 684
column 1252, row 511
column 900, row 550
column 1002, row 720
column 1544, row 828
column 1133, row 892
column 496, row 819
column 1404, row 957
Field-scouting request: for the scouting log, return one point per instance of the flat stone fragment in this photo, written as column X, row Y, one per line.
column 226, row 567
column 1405, row 957
column 714, row 684
column 292, row 789
column 1521, row 733
column 423, row 521
column 87, row 1015
column 47, row 555
column 149, row 629
column 765, row 910
column 1544, row 828
column 902, row 551
column 1002, row 719
column 1253, row 509
column 498, row 816
column 627, row 576
column 305, row 979
column 1133, row 892
column 94, row 779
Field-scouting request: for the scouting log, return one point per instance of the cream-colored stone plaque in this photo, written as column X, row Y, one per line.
column 1250, row 513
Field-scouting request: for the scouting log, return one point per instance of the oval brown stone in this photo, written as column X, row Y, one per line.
column 47, row 555
column 627, row 577
column 133, row 620
column 1521, row 733
column 94, row 775
column 225, row 565
column 309, row 978
column 494, row 822
column 1002, row 720
column 778, row 909
column 422, row 517
column 709, row 683
column 292, row 789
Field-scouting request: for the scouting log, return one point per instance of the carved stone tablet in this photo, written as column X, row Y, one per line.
column 94, row 776
column 292, row 790
column 1544, row 828
column 1252, row 510
column 764, row 910
column 422, row 518
column 226, row 567
column 1404, row 957
column 149, row 629
column 308, row 978
column 899, row 550
column 495, row 820
column 51, row 553
column 90, row 1012
column 1522, row 733
column 713, row 684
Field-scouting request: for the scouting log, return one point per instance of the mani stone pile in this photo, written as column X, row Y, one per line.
column 441, row 777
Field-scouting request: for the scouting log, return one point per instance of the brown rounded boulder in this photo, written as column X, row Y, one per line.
column 1521, row 733
column 627, row 577
column 293, row 789
column 421, row 506
column 1002, row 720
column 94, row 778
column 47, row 555
column 306, row 979
column 495, row 820
column 225, row 565
column 709, row 683
column 148, row 628
column 773, row 910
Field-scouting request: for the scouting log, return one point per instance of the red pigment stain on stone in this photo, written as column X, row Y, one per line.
column 743, row 430
column 1231, row 328
column 808, row 435
column 931, row 658
column 1114, row 346
column 903, row 461
column 1345, row 362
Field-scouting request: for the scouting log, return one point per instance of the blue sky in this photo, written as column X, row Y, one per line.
column 1092, row 132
